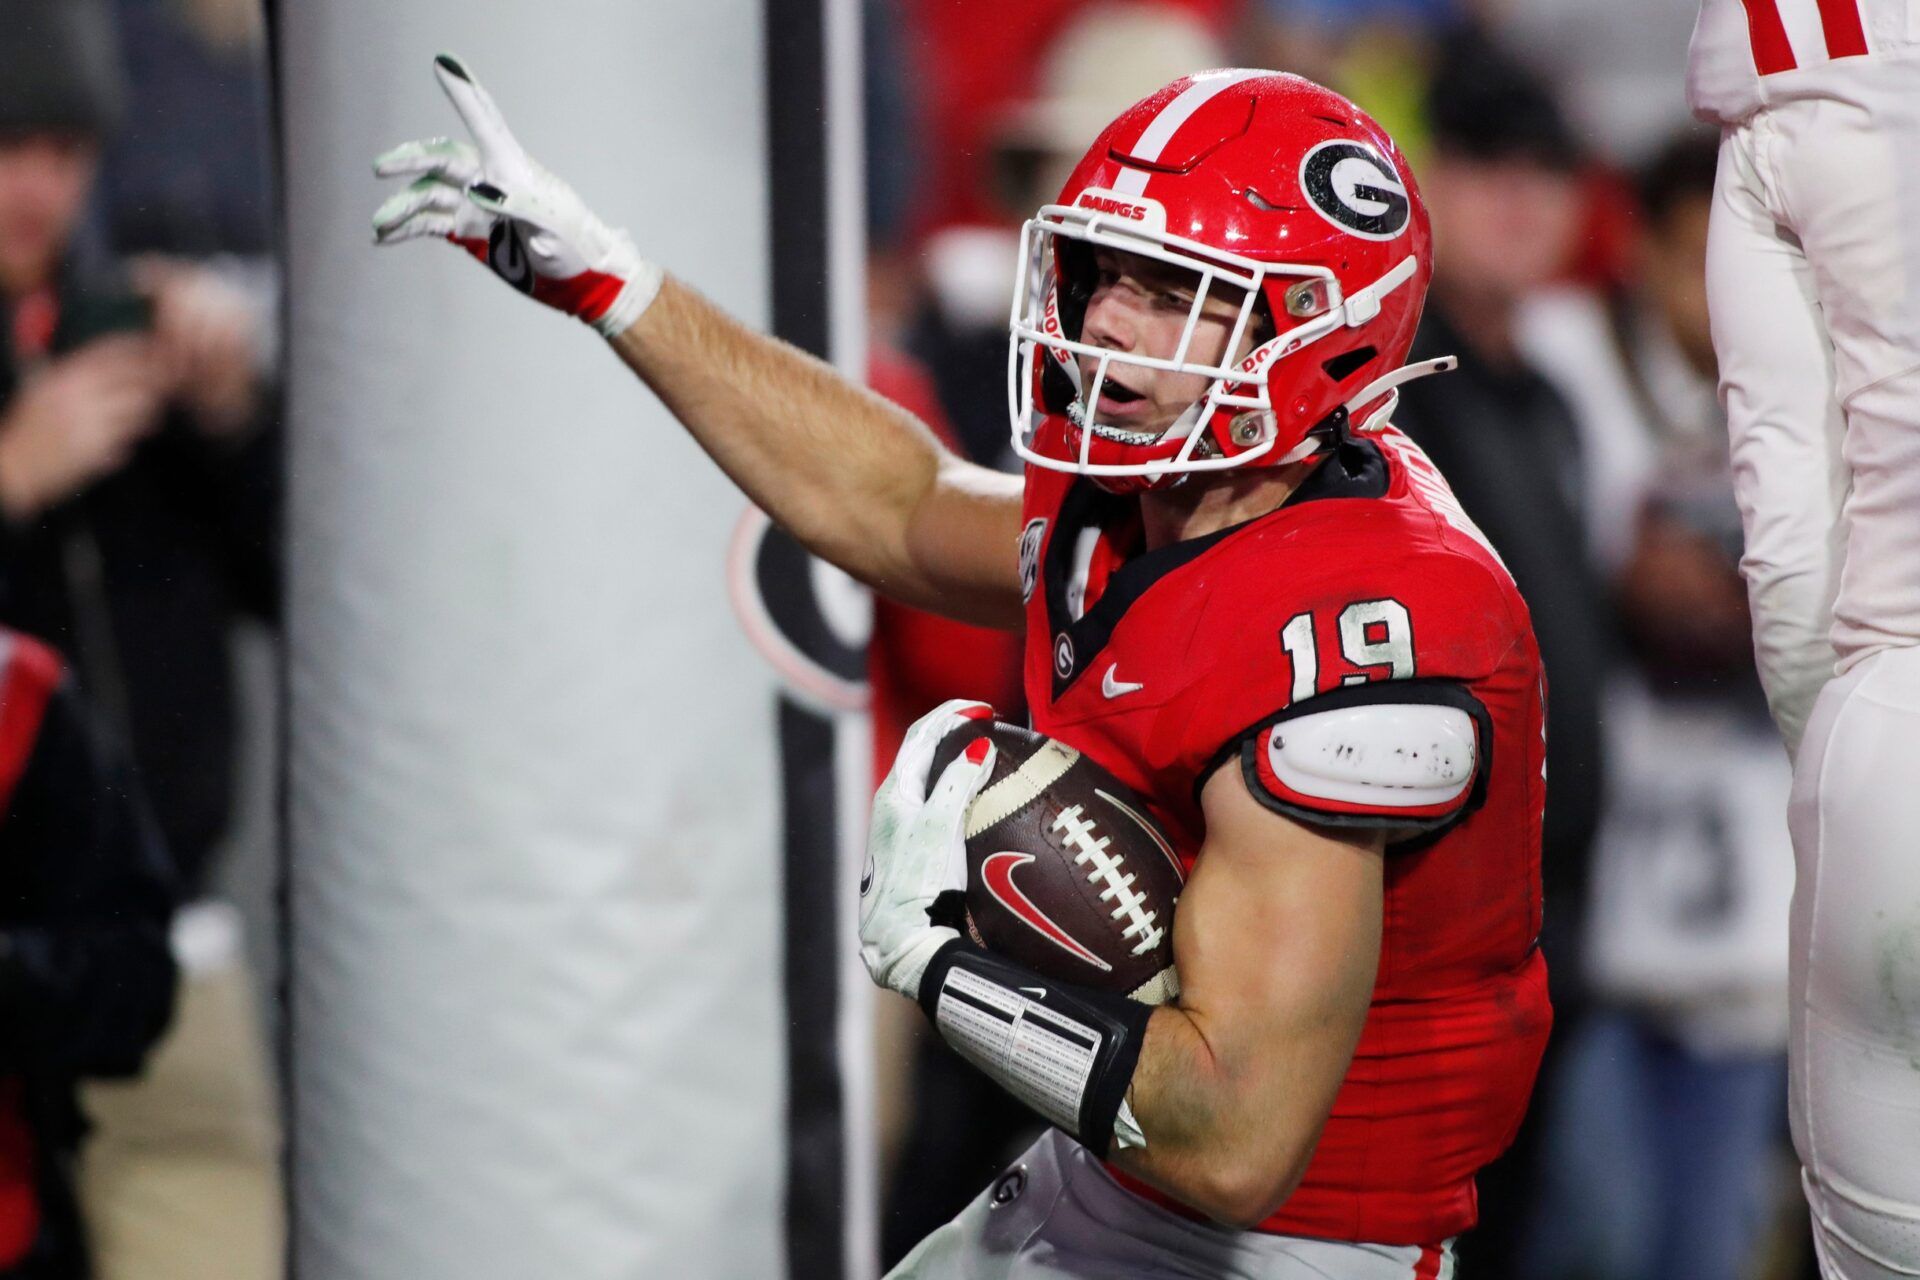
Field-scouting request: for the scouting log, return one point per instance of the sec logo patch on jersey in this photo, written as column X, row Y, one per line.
column 1030, row 540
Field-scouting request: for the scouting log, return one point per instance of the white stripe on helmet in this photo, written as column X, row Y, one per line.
column 1133, row 182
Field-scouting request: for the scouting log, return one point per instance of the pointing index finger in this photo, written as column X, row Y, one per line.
column 476, row 107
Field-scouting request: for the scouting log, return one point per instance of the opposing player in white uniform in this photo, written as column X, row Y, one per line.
column 1813, row 277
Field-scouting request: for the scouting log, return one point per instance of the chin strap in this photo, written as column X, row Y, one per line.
column 1386, row 382
column 1391, row 383
column 1337, row 425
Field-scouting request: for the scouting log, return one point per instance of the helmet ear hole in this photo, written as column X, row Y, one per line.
column 1348, row 363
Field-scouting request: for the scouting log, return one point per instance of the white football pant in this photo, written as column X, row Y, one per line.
column 1854, row 1057
column 1057, row 1214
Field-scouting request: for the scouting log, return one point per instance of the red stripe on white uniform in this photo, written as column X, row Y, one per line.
column 1428, row 1267
column 1840, row 20
column 1771, row 50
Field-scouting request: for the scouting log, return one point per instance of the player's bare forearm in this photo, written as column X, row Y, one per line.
column 1277, row 942
column 1223, row 1134
column 859, row 481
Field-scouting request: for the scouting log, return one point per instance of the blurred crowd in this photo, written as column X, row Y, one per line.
column 1569, row 193
column 139, row 512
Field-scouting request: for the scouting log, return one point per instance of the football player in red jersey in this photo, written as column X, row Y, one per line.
column 1246, row 595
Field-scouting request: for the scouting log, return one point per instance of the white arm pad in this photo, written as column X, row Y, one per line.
column 1377, row 754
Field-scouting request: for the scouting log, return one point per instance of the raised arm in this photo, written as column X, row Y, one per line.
column 859, row 482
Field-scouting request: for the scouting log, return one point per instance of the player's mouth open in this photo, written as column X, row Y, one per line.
column 1119, row 400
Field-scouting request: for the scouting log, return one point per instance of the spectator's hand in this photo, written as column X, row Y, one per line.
column 205, row 336
column 496, row 202
column 78, row 419
column 1682, row 599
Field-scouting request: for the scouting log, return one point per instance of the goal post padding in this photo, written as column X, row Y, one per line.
column 534, row 868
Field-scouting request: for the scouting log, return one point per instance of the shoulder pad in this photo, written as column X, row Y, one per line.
column 1401, row 756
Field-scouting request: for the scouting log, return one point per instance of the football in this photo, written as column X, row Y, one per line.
column 1067, row 871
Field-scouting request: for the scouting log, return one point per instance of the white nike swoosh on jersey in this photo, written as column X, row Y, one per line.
column 1111, row 688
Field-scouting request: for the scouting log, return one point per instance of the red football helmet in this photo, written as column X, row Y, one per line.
column 1277, row 194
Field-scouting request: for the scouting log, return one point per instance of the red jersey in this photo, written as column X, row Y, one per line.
column 29, row 673
column 1368, row 586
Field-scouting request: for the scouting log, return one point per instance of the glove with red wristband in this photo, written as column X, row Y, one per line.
column 495, row 201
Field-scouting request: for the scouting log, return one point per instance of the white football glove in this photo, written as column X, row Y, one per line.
column 916, row 847
column 496, row 202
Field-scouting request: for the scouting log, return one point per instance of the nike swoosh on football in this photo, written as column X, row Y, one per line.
column 996, row 872
column 1109, row 687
